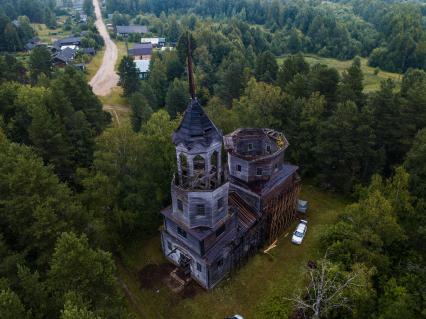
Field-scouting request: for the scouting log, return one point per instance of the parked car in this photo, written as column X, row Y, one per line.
column 300, row 232
column 235, row 317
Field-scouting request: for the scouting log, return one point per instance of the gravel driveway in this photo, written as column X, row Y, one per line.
column 106, row 78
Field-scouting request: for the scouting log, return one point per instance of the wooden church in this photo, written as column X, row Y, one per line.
column 221, row 214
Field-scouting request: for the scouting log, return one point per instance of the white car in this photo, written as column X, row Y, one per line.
column 300, row 232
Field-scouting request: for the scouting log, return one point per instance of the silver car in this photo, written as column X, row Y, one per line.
column 300, row 232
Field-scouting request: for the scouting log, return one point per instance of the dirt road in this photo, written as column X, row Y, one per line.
column 106, row 78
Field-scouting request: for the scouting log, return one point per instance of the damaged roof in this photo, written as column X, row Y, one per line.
column 196, row 127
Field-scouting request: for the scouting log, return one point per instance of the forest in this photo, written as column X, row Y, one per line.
column 390, row 33
column 76, row 188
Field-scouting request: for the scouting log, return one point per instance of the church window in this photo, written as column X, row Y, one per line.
column 179, row 205
column 201, row 210
column 220, row 230
column 199, row 267
column 220, row 263
column 181, row 232
column 199, row 163
column 220, row 203
column 238, row 168
column 250, row 146
column 183, row 164
column 259, row 171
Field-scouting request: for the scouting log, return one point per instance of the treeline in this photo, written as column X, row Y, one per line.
column 14, row 35
column 393, row 34
column 36, row 10
column 16, row 18
column 72, row 191
column 312, row 104
column 373, row 264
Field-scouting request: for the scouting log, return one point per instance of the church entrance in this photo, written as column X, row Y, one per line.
column 185, row 264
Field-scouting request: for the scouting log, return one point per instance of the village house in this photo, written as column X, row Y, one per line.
column 143, row 68
column 32, row 43
column 156, row 42
column 142, row 51
column 64, row 57
column 125, row 30
column 69, row 42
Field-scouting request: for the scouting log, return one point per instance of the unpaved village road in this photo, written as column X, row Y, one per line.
column 106, row 78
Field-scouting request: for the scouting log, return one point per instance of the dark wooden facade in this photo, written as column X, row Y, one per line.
column 219, row 216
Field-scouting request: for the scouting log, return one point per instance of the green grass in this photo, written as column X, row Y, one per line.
column 248, row 291
column 122, row 51
column 49, row 35
column 371, row 80
column 114, row 98
column 94, row 64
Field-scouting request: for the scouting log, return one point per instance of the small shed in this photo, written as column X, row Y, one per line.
column 302, row 206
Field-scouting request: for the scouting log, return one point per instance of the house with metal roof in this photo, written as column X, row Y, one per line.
column 124, row 30
column 156, row 42
column 67, row 42
column 142, row 51
column 143, row 68
column 64, row 57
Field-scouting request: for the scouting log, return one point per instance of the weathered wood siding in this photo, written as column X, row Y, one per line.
column 209, row 198
column 173, row 255
column 192, row 242
column 269, row 165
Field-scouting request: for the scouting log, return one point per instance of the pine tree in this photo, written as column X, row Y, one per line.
column 40, row 62
column 141, row 111
column 12, row 42
column 266, row 67
column 129, row 77
column 351, row 87
column 177, row 97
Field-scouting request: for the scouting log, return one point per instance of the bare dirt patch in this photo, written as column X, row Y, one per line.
column 155, row 277
column 105, row 78
column 152, row 276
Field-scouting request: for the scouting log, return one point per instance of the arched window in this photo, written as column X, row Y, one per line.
column 183, row 164
column 199, row 163
column 214, row 159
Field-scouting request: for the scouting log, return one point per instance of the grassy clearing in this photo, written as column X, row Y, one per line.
column 94, row 64
column 117, row 105
column 50, row 35
column 122, row 51
column 249, row 291
column 114, row 98
column 371, row 80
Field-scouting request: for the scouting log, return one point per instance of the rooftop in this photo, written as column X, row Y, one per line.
column 142, row 65
column 126, row 29
column 67, row 41
column 263, row 187
column 141, row 49
column 66, row 55
column 196, row 127
column 153, row 40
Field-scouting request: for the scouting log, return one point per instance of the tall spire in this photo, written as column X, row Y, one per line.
column 190, row 70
